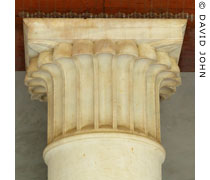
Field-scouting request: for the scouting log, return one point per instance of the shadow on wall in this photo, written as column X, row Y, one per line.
column 30, row 133
column 178, row 131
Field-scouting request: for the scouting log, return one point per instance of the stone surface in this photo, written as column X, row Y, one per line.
column 103, row 78
column 177, row 126
column 102, row 85
column 41, row 34
column 105, row 156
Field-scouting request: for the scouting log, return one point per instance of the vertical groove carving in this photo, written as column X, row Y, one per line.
column 78, row 123
column 102, row 85
column 131, row 93
column 151, row 113
column 86, row 89
column 105, row 89
column 104, row 50
column 123, row 65
column 48, row 79
column 70, row 93
column 140, row 70
column 58, row 97
column 96, row 92
column 82, row 52
column 62, row 92
column 114, row 91
column 127, row 52
column 62, row 58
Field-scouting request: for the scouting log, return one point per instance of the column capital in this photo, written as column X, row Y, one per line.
column 103, row 75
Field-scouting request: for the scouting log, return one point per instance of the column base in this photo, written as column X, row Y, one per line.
column 104, row 156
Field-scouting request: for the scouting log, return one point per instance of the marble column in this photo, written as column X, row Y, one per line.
column 103, row 80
